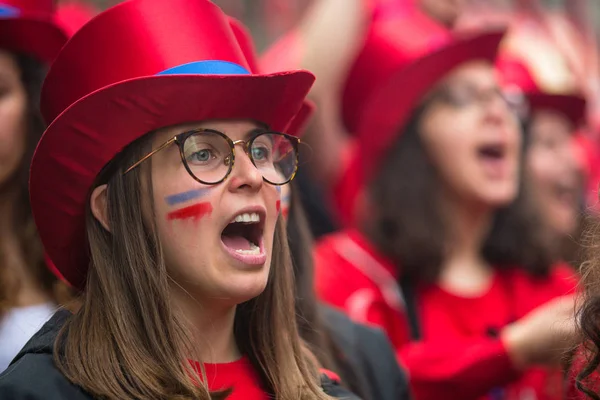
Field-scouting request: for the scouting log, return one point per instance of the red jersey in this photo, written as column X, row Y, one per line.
column 459, row 355
column 238, row 375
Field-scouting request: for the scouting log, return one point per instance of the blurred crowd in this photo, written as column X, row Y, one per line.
column 443, row 223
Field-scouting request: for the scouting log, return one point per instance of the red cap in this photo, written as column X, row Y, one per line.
column 28, row 26
column 137, row 67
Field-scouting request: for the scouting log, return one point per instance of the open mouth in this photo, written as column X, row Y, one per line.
column 493, row 159
column 243, row 238
column 492, row 152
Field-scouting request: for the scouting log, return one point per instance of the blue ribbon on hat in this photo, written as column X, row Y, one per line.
column 7, row 11
column 209, row 67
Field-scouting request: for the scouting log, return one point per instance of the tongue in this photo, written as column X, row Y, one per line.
column 236, row 242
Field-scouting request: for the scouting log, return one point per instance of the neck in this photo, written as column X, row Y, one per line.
column 212, row 327
column 464, row 270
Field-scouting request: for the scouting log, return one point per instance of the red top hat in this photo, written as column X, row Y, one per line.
column 139, row 66
column 391, row 105
column 394, row 39
column 28, row 26
column 515, row 75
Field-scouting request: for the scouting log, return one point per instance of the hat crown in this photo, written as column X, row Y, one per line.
column 137, row 38
column 30, row 6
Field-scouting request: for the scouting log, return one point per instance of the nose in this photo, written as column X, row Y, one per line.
column 244, row 174
column 497, row 108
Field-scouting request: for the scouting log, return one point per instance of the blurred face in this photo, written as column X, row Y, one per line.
column 13, row 108
column 217, row 239
column 554, row 173
column 445, row 11
column 473, row 138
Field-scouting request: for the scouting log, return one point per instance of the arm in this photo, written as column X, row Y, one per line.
column 332, row 34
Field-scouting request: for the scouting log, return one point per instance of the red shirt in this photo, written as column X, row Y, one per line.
column 459, row 356
column 238, row 375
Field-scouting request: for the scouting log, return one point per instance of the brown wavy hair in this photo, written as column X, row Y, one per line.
column 126, row 341
column 408, row 226
column 30, row 246
column 311, row 323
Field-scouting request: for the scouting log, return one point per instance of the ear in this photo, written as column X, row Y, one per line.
column 99, row 207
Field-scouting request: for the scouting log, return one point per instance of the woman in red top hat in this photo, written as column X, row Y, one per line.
column 455, row 276
column 29, row 292
column 154, row 190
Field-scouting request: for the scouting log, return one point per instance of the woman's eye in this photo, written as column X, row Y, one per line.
column 260, row 153
column 202, row 155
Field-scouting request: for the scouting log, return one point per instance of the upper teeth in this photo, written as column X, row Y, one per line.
column 248, row 217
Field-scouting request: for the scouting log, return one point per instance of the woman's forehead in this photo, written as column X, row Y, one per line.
column 232, row 128
column 475, row 72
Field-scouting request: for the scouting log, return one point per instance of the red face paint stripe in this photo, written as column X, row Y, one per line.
column 194, row 212
column 278, row 205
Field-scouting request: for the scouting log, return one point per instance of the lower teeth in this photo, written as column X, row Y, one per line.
column 254, row 250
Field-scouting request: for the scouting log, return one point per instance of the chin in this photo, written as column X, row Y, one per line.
column 498, row 197
column 244, row 289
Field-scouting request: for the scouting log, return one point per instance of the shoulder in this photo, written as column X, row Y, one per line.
column 369, row 350
column 561, row 279
column 339, row 259
column 34, row 376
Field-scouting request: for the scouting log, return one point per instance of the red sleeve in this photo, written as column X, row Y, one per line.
column 457, row 370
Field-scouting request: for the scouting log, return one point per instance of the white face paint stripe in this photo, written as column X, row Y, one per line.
column 372, row 269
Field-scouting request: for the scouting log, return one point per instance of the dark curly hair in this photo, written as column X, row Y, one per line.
column 589, row 312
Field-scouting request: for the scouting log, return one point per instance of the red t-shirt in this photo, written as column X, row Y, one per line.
column 460, row 356
column 238, row 375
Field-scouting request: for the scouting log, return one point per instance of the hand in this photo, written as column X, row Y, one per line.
column 544, row 335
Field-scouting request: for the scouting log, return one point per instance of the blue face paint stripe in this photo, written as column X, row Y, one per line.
column 186, row 196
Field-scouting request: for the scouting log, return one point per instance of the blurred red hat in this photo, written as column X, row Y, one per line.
column 396, row 37
column 73, row 15
column 300, row 120
column 29, row 26
column 516, row 77
column 135, row 68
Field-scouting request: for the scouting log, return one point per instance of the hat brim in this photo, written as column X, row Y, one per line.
column 39, row 37
column 89, row 133
column 571, row 106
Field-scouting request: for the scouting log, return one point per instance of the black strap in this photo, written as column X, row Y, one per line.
column 410, row 299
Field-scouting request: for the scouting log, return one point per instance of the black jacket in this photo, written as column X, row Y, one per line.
column 370, row 356
column 32, row 375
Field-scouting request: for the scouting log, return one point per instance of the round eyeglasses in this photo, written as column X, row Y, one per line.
column 209, row 155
